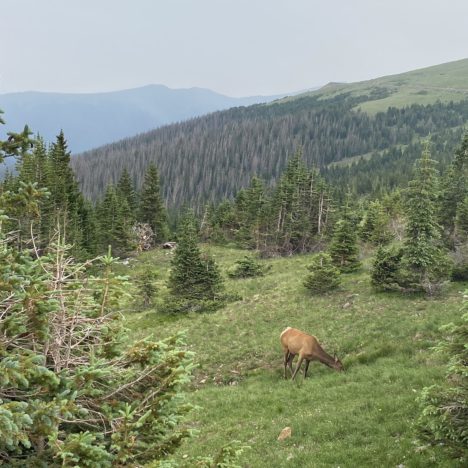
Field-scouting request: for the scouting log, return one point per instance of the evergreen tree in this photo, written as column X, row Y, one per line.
column 424, row 264
column 152, row 210
column 324, row 276
column 195, row 281
column 343, row 248
column 454, row 189
column 126, row 190
column 374, row 226
column 114, row 224
column 248, row 267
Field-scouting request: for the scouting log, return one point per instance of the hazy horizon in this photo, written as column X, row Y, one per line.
column 235, row 48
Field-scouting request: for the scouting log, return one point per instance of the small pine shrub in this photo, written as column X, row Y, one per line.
column 146, row 287
column 248, row 267
column 324, row 276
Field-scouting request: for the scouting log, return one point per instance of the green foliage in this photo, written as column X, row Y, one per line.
column 248, row 267
column 386, row 267
column 324, row 276
column 195, row 281
column 374, row 226
column 425, row 265
column 152, row 210
column 146, row 287
column 444, row 417
column 71, row 388
column 115, row 223
column 343, row 248
column 454, row 191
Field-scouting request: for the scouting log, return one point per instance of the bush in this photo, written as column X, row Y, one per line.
column 248, row 268
column 324, row 275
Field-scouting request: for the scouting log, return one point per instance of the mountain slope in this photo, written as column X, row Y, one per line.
column 211, row 157
column 91, row 120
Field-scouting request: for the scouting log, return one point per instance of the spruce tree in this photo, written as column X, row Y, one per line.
column 195, row 281
column 374, row 226
column 343, row 248
column 126, row 189
column 114, row 224
column 424, row 263
column 324, row 276
column 152, row 210
column 454, row 190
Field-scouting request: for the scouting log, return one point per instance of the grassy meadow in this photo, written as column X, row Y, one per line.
column 363, row 417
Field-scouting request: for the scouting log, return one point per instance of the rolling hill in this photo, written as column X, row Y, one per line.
column 375, row 125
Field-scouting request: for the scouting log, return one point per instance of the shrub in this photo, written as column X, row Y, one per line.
column 248, row 268
column 324, row 275
column 146, row 287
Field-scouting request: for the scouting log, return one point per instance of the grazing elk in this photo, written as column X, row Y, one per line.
column 308, row 348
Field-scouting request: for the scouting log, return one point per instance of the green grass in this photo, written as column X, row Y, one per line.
column 362, row 417
column 445, row 82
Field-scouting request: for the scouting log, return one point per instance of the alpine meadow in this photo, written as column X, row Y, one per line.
column 280, row 284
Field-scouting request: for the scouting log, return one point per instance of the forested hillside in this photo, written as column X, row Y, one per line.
column 211, row 157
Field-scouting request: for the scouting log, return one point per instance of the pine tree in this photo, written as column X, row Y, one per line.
column 114, row 224
column 194, row 278
column 424, row 264
column 374, row 226
column 152, row 210
column 343, row 248
column 126, row 189
column 324, row 276
column 454, row 189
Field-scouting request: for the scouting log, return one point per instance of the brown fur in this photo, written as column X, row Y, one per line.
column 295, row 342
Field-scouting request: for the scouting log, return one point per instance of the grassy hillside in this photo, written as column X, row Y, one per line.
column 446, row 82
column 362, row 417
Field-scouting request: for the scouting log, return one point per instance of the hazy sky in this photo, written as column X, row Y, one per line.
column 236, row 47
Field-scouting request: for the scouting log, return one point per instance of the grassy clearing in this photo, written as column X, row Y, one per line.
column 362, row 417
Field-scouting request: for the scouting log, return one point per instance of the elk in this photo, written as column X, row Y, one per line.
column 308, row 348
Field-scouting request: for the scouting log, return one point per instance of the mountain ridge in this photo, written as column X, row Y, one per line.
column 91, row 120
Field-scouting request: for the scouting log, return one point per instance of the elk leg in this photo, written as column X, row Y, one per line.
column 286, row 360
column 290, row 360
column 298, row 366
column 306, row 368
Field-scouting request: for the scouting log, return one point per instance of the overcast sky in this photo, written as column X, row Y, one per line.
column 236, row 47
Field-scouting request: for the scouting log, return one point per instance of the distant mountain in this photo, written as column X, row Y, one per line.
column 92, row 120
